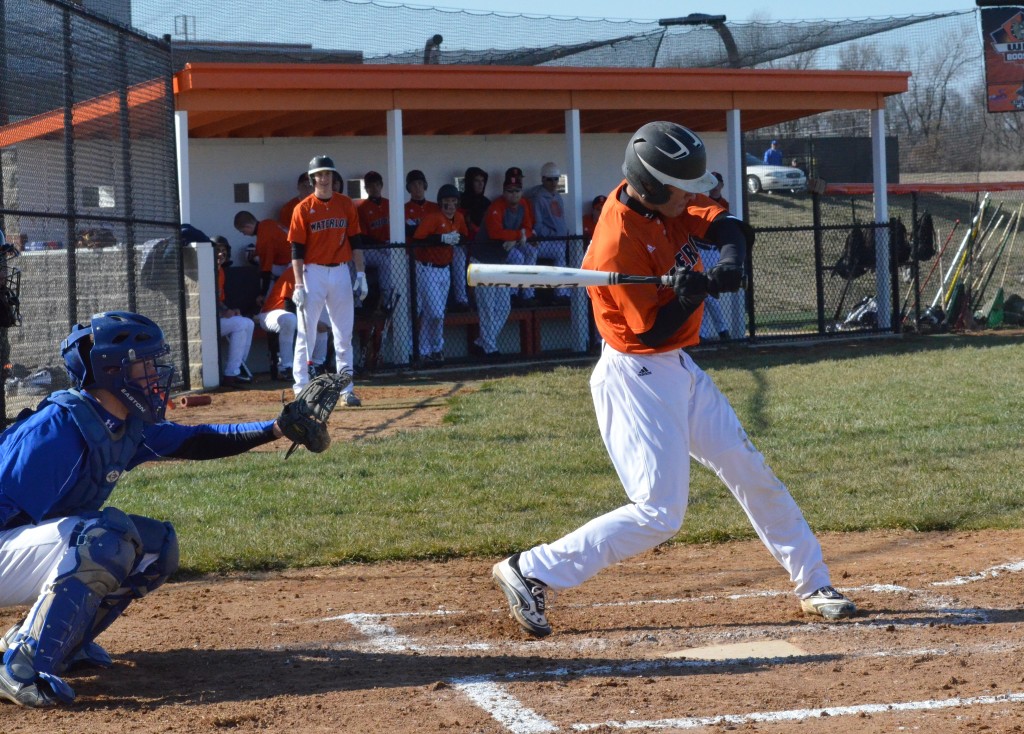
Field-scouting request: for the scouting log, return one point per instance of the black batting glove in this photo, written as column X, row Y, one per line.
column 691, row 288
column 724, row 279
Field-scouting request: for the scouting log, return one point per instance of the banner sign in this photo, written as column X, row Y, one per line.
column 1002, row 31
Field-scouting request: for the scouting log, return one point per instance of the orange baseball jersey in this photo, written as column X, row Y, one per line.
column 284, row 216
column 494, row 221
column 627, row 242
column 272, row 246
column 325, row 228
column 588, row 226
column 283, row 288
column 438, row 223
column 375, row 219
column 416, row 211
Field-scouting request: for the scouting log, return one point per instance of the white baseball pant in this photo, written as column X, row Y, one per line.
column 655, row 412
column 330, row 288
column 238, row 331
column 284, row 323
column 431, row 299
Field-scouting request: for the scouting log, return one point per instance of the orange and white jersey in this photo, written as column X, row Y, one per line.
column 438, row 223
column 325, row 228
column 626, row 241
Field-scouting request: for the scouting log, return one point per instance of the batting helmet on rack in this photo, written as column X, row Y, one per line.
column 662, row 154
column 121, row 352
column 320, row 163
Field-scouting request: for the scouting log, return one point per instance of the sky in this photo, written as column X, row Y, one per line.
column 734, row 10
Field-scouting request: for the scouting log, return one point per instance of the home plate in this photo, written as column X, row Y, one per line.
column 766, row 649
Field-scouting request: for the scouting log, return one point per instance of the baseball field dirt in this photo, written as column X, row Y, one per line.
column 681, row 638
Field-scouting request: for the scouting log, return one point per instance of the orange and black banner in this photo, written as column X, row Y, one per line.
column 1002, row 31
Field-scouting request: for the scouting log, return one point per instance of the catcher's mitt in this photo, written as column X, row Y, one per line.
column 304, row 420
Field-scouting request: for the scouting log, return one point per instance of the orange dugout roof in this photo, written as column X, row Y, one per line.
column 327, row 100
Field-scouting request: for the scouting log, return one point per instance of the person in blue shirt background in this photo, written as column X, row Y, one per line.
column 78, row 562
column 773, row 156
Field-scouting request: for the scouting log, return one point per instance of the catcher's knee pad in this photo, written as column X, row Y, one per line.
column 160, row 555
column 102, row 551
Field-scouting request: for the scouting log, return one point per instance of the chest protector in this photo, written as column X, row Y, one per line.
column 109, row 453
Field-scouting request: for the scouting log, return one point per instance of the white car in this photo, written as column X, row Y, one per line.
column 762, row 177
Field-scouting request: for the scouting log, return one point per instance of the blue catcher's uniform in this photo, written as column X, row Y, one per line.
column 82, row 563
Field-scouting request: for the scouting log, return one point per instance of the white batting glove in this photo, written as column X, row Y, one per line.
column 450, row 238
column 361, row 287
column 509, row 244
column 299, row 296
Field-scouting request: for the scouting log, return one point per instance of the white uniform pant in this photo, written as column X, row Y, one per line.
column 655, row 412
column 431, row 299
column 283, row 323
column 554, row 251
column 380, row 259
column 32, row 556
column 493, row 304
column 458, row 267
column 713, row 323
column 523, row 255
column 331, row 289
column 238, row 331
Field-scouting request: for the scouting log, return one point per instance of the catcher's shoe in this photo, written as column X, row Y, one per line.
column 33, row 695
column 526, row 597
column 828, row 603
column 351, row 400
column 90, row 655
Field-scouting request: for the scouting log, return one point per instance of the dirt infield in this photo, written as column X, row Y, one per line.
column 414, row 647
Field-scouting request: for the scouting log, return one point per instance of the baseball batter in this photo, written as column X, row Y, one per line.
column 325, row 238
column 77, row 562
column 655, row 407
column 435, row 239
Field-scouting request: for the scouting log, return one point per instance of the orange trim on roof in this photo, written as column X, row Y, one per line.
column 90, row 110
column 487, row 95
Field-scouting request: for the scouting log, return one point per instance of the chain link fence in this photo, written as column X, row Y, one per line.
column 88, row 192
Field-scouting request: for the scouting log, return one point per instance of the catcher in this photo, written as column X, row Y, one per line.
column 78, row 562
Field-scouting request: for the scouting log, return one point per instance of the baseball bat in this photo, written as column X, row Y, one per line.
column 544, row 276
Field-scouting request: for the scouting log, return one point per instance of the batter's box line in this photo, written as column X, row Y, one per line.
column 771, row 717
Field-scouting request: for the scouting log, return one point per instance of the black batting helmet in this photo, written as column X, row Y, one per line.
column 415, row 175
column 664, row 154
column 320, row 163
column 447, row 192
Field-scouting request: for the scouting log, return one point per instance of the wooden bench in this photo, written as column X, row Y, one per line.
column 471, row 320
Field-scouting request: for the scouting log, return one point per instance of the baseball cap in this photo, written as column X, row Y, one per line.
column 550, row 170
column 513, row 178
column 372, row 176
column 775, row 142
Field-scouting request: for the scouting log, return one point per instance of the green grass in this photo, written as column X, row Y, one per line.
column 921, row 434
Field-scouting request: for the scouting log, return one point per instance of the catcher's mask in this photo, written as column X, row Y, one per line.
column 121, row 352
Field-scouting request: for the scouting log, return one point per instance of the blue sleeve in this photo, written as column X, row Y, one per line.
column 208, row 441
column 41, row 458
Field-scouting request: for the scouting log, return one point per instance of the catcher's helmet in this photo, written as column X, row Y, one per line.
column 447, row 192
column 320, row 163
column 664, row 154
column 119, row 351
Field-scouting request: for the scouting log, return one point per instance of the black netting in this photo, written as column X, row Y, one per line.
column 89, row 183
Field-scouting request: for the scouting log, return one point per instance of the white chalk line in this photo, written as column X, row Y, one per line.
column 506, row 709
column 767, row 717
